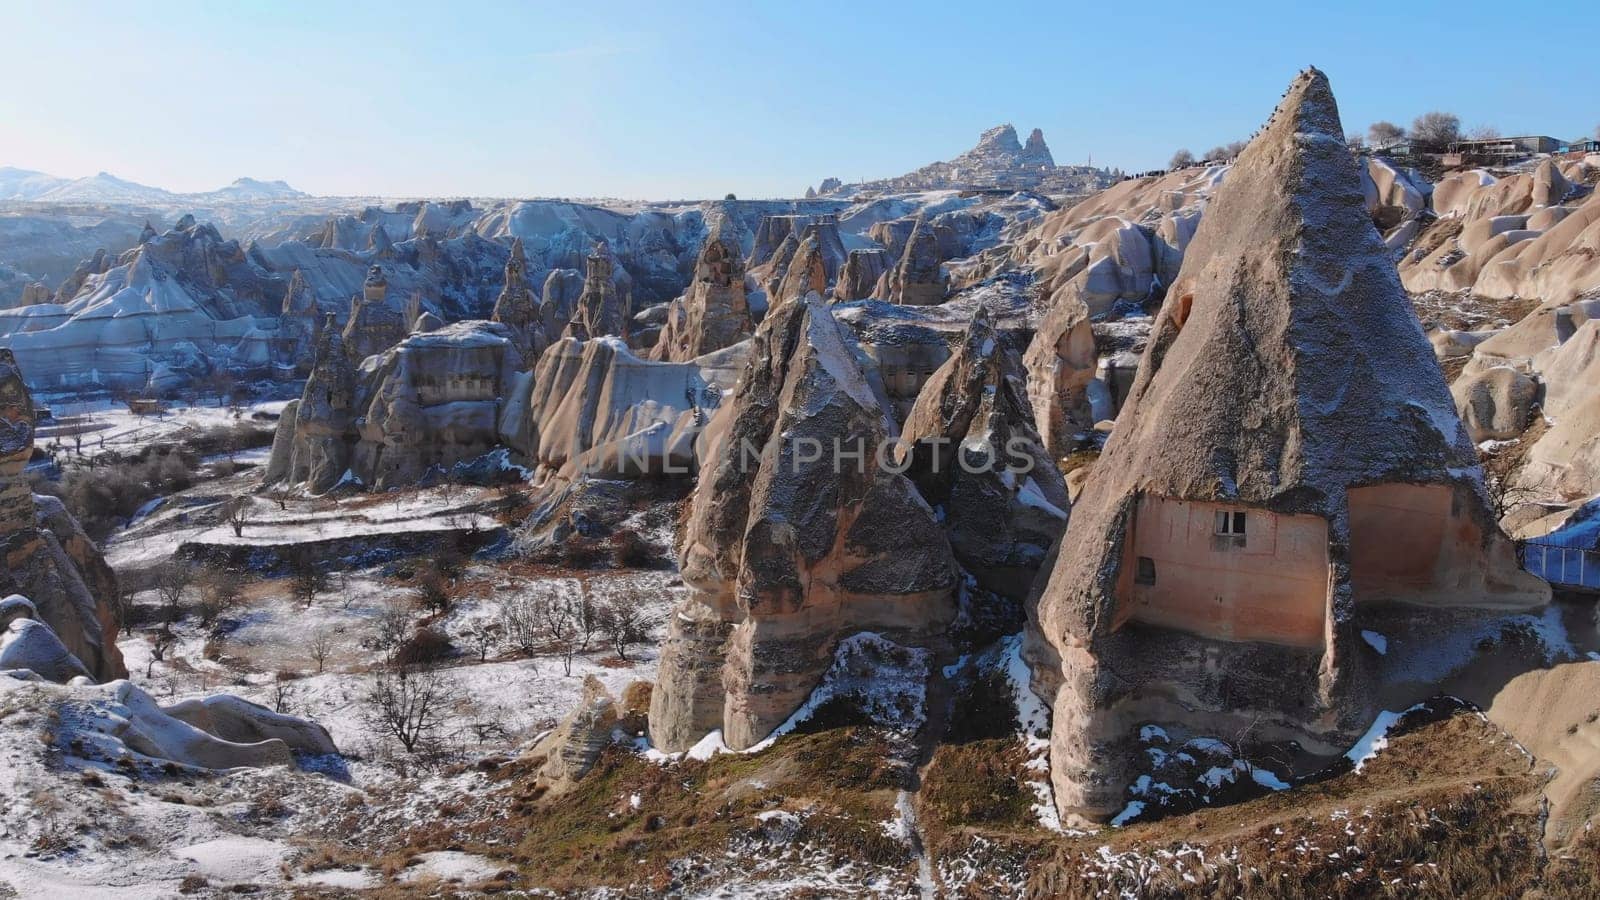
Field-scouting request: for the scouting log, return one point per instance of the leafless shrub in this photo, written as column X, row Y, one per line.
column 410, row 706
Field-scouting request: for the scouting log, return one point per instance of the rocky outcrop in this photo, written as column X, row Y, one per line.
column 16, row 446
column 998, row 161
column 374, row 325
column 862, row 271
column 1061, row 364
column 46, row 555
column 299, row 322
column 593, row 408
column 559, row 299
column 185, row 288
column 1494, row 404
column 599, row 311
column 806, row 272
column 27, row 643
column 970, row 446
column 237, row 721
column 714, row 313
column 320, row 454
column 1287, row 409
column 432, row 401
column 518, row 310
column 786, row 553
column 918, row 278
column 1531, row 234
column 570, row 750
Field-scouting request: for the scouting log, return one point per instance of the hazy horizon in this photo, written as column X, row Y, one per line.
column 701, row 99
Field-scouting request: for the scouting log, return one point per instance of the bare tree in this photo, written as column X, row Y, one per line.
column 221, row 587
column 623, row 624
column 172, row 582
column 1436, row 128
column 321, row 648
column 483, row 634
column 586, row 615
column 1483, row 133
column 391, row 629
column 306, row 578
column 433, row 589
column 283, row 691
column 519, row 623
column 236, row 512
column 1183, row 159
column 1385, row 134
column 559, row 626
column 280, row 496
column 410, row 706
column 161, row 640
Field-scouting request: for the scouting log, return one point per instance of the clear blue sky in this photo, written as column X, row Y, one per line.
column 695, row 99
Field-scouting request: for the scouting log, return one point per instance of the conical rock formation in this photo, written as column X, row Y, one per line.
column 796, row 538
column 713, row 313
column 973, row 452
column 1288, row 458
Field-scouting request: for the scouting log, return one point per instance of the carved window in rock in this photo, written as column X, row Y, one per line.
column 1145, row 572
column 1230, row 523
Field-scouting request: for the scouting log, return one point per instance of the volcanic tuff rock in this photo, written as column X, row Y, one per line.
column 216, row 732
column 806, row 272
column 918, row 278
column 320, row 453
column 714, row 313
column 1495, row 404
column 517, row 309
column 599, row 311
column 433, row 400
column 783, row 554
column 1532, row 234
column 299, row 323
column 374, row 325
column 559, row 299
column 595, row 408
column 1287, row 408
column 570, row 750
column 861, row 273
column 972, row 451
column 1061, row 363
column 998, row 160
column 46, row 555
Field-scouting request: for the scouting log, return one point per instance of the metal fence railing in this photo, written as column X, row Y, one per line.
column 1574, row 567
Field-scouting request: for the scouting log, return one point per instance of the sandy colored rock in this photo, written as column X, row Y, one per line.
column 862, row 271
column 518, row 309
column 918, row 278
column 323, row 436
column 1061, row 363
column 433, row 401
column 784, row 555
column 241, row 722
column 713, row 313
column 374, row 325
column 569, row 751
column 1494, row 405
column 1287, row 390
column 970, row 446
column 599, row 311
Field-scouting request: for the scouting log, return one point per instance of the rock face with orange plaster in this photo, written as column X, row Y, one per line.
column 1288, row 457
column 789, row 548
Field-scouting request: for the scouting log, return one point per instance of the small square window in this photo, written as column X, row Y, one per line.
column 1146, row 573
column 1230, row 523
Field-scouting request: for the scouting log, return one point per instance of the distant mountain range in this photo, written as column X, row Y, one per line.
column 23, row 184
